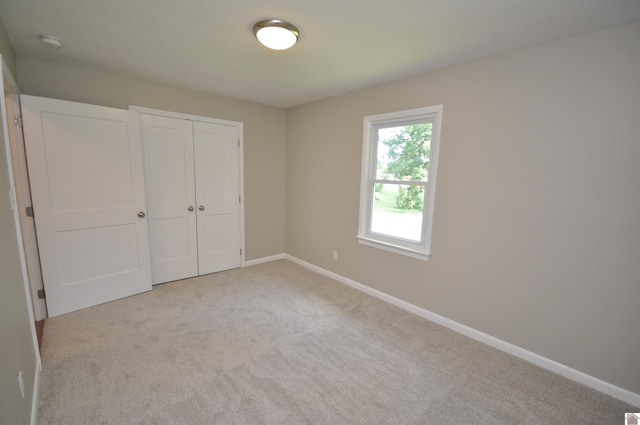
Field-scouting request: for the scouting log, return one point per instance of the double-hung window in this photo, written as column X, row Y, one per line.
column 399, row 163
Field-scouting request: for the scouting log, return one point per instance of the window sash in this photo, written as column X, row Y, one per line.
column 375, row 142
column 394, row 238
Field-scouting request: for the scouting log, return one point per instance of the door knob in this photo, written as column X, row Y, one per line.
column 201, row 207
column 190, row 208
column 141, row 214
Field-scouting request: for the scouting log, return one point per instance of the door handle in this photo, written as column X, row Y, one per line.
column 141, row 214
column 201, row 207
column 190, row 208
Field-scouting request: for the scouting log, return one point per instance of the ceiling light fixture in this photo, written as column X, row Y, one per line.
column 276, row 34
column 50, row 41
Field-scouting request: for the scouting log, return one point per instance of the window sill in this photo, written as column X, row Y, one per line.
column 397, row 249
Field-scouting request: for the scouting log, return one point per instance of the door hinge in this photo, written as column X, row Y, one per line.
column 17, row 120
column 29, row 211
column 41, row 294
column 241, row 252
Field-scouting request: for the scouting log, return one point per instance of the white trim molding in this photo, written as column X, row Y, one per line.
column 573, row 374
column 264, row 260
column 35, row 400
column 170, row 114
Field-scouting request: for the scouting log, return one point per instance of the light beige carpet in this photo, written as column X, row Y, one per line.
column 278, row 344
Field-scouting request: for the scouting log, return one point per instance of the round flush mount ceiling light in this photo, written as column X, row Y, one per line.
column 50, row 41
column 276, row 34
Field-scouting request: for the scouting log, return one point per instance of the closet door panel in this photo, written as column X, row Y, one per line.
column 85, row 169
column 218, row 196
column 169, row 171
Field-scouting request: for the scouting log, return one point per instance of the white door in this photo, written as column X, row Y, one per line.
column 23, row 195
column 170, row 183
column 87, row 185
column 218, row 196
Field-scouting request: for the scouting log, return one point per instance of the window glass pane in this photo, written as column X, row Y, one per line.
column 403, row 152
column 397, row 211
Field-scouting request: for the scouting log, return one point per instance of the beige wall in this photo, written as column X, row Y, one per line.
column 7, row 52
column 16, row 341
column 537, row 217
column 263, row 133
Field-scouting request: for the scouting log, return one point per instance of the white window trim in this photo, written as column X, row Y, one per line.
column 420, row 250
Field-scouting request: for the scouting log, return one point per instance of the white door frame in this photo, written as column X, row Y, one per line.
column 6, row 77
column 23, row 194
column 239, row 125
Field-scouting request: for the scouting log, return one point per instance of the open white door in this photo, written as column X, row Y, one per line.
column 218, row 196
column 23, row 195
column 87, row 185
column 171, row 195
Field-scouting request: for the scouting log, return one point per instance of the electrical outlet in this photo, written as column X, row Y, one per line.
column 21, row 382
column 335, row 254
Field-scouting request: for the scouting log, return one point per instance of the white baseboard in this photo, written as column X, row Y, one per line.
column 560, row 369
column 35, row 401
column 264, row 260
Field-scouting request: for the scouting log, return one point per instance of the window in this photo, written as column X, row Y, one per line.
column 399, row 162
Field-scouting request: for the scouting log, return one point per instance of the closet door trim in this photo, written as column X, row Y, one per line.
column 169, row 114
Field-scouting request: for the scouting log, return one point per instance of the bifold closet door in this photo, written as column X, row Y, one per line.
column 217, row 155
column 169, row 172
column 87, row 183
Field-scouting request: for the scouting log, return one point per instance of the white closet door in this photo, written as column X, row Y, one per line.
column 23, row 194
column 218, row 196
column 171, row 197
column 85, row 169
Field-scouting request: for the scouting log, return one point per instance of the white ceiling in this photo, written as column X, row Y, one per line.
column 344, row 45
